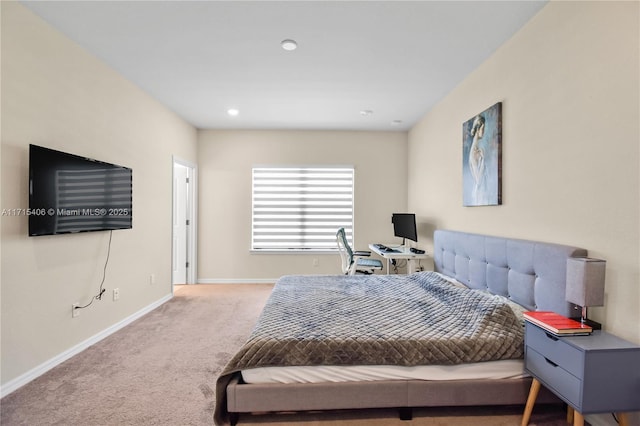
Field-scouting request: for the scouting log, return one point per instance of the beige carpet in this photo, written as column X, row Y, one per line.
column 161, row 370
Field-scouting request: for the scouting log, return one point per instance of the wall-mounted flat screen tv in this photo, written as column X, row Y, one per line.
column 69, row 193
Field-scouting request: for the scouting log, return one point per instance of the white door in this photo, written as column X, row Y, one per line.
column 180, row 223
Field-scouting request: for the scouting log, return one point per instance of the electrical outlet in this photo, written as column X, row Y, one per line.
column 152, row 279
column 74, row 311
column 316, row 262
column 116, row 294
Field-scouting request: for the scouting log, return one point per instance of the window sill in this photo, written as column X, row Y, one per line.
column 293, row 251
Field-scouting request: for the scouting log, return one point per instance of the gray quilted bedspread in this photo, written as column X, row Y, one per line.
column 407, row 320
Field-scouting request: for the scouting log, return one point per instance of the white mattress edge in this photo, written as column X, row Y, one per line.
column 503, row 369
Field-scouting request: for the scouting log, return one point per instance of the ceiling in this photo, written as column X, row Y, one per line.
column 395, row 59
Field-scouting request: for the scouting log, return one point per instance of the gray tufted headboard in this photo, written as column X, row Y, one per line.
column 531, row 273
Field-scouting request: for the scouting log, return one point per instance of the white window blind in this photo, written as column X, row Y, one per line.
column 301, row 208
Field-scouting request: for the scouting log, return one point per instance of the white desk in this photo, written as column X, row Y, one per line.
column 401, row 252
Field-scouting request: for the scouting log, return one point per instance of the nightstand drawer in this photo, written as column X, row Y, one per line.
column 559, row 380
column 554, row 349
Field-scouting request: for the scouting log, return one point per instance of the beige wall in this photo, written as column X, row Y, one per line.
column 568, row 82
column 55, row 94
column 225, row 159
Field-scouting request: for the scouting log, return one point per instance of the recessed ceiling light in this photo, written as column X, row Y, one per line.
column 289, row 44
column 366, row 112
column 233, row 112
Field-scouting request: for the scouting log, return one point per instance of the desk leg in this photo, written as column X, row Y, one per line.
column 411, row 266
column 531, row 400
column 570, row 414
column 388, row 266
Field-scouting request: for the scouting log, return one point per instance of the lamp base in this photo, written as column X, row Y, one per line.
column 593, row 324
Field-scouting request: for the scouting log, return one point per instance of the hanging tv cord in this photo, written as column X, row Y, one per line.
column 104, row 276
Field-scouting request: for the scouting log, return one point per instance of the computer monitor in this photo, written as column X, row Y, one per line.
column 404, row 226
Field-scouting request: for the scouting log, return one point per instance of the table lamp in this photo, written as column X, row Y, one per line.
column 585, row 285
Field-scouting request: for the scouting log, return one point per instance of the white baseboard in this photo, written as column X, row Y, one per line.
column 237, row 280
column 36, row 372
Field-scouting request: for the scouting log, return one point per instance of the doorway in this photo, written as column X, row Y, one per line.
column 184, row 223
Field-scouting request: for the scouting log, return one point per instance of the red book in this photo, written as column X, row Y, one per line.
column 556, row 323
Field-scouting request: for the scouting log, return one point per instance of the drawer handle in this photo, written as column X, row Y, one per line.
column 552, row 337
column 550, row 362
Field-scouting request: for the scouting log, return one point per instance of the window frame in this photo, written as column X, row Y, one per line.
column 331, row 225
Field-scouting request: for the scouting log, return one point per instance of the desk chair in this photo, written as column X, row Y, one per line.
column 358, row 261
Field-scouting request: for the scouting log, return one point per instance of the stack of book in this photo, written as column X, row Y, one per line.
column 557, row 324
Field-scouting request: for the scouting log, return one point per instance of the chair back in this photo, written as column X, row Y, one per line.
column 346, row 254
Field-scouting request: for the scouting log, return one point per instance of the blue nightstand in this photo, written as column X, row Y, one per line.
column 598, row 373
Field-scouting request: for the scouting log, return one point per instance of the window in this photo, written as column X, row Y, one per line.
column 301, row 208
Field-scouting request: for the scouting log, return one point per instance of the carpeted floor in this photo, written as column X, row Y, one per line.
column 161, row 370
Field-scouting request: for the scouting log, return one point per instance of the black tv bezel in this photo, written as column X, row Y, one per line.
column 36, row 209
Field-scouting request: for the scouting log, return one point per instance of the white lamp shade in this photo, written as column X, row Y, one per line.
column 585, row 281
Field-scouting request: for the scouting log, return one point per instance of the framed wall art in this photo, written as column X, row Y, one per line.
column 482, row 158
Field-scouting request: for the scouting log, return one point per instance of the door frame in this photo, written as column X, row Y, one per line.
column 192, row 216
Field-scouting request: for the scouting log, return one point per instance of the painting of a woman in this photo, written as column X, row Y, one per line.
column 482, row 158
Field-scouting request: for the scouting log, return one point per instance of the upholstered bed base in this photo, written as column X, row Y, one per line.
column 405, row 394
column 530, row 273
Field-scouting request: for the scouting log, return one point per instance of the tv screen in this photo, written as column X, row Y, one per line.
column 69, row 193
column 404, row 226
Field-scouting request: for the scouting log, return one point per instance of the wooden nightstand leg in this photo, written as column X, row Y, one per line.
column 578, row 418
column 531, row 400
column 623, row 420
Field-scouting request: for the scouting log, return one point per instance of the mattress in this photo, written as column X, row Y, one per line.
column 503, row 369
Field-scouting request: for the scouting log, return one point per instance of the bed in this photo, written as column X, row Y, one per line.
column 427, row 339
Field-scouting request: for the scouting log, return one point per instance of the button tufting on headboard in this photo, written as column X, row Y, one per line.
column 530, row 273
